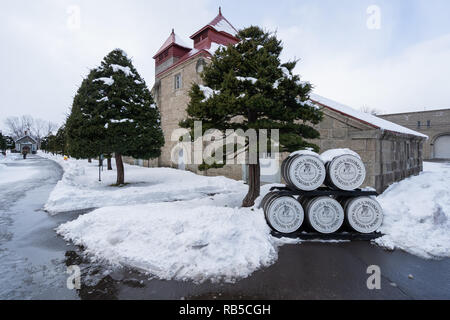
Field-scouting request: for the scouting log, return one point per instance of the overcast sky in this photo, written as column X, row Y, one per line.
column 400, row 62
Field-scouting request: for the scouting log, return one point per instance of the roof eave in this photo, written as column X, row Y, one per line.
column 212, row 28
column 170, row 45
column 368, row 123
column 182, row 61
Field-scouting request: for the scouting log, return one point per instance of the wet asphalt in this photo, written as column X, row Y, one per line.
column 34, row 260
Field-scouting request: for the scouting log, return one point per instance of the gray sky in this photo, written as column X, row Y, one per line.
column 401, row 62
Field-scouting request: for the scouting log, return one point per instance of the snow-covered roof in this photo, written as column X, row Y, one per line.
column 172, row 40
column 363, row 117
column 220, row 24
column 26, row 136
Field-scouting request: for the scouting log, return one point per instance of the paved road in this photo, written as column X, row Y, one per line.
column 34, row 260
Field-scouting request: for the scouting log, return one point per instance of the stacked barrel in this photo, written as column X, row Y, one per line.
column 305, row 172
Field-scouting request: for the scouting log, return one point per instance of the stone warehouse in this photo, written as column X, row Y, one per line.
column 390, row 152
column 433, row 123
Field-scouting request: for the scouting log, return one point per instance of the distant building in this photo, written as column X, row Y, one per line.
column 26, row 144
column 433, row 123
column 390, row 152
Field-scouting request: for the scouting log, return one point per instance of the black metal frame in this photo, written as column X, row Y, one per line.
column 351, row 236
column 286, row 191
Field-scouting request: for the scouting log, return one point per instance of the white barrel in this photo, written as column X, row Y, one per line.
column 345, row 172
column 283, row 213
column 303, row 170
column 267, row 199
column 363, row 214
column 323, row 214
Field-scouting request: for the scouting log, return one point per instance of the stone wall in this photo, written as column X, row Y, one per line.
column 384, row 154
column 433, row 123
column 173, row 103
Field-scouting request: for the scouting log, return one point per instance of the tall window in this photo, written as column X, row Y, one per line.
column 178, row 81
column 418, row 124
column 428, row 123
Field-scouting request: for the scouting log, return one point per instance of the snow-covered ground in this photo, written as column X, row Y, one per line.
column 11, row 174
column 80, row 188
column 209, row 237
column 417, row 213
column 203, row 239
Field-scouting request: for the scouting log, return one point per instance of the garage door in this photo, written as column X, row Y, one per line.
column 442, row 147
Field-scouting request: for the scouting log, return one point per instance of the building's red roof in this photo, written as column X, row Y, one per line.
column 223, row 34
column 220, row 24
column 172, row 40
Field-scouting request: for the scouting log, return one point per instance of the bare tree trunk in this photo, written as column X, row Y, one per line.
column 89, row 160
column 120, row 170
column 254, row 185
column 109, row 164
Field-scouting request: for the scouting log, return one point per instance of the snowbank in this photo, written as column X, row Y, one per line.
column 202, row 239
column 417, row 212
column 80, row 188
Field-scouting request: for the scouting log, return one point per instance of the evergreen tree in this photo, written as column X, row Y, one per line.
column 85, row 131
column 10, row 143
column 114, row 113
column 247, row 87
column 3, row 145
column 59, row 141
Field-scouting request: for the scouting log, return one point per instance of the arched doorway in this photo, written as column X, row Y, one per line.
column 442, row 147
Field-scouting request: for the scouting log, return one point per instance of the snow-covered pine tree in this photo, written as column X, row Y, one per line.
column 85, row 129
column 130, row 118
column 246, row 86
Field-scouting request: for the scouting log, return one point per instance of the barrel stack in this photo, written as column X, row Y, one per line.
column 322, row 195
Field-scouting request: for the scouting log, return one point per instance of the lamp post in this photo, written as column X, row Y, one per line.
column 100, row 167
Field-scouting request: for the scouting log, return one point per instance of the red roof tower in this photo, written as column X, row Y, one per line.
column 219, row 31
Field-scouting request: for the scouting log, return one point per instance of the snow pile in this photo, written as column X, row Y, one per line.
column 180, row 42
column 207, row 92
column 286, row 72
column 417, row 213
column 329, row 155
column 10, row 157
column 107, row 81
column 214, row 47
column 251, row 79
column 198, row 240
column 80, row 188
column 126, row 70
column 366, row 117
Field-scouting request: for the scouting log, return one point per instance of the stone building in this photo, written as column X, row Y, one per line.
column 390, row 152
column 433, row 123
column 26, row 144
